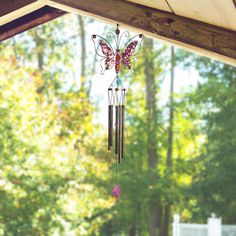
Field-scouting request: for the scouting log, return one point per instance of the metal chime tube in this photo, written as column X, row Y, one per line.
column 116, row 130
column 122, row 123
column 110, row 118
column 122, row 131
column 118, row 125
column 119, row 132
column 119, row 100
column 120, row 117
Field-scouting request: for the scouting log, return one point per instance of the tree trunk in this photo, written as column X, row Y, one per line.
column 132, row 231
column 39, row 42
column 166, row 220
column 171, row 113
column 107, row 229
column 167, row 209
column 151, row 107
column 40, row 50
column 82, row 52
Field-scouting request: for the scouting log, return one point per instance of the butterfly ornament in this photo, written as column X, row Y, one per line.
column 117, row 58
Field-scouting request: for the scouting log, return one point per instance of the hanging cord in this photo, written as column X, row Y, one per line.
column 117, row 37
column 116, row 83
column 116, row 171
column 110, row 96
column 167, row 2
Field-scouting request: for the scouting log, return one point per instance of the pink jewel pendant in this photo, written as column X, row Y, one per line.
column 116, row 191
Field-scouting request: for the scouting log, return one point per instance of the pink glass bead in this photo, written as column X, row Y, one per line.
column 116, row 191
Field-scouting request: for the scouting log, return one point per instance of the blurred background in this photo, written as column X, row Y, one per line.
column 56, row 174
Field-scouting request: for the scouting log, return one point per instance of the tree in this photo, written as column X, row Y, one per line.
column 49, row 180
column 151, row 106
column 216, row 97
column 167, row 207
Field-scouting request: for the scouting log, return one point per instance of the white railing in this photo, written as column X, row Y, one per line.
column 193, row 230
column 213, row 227
column 228, row 230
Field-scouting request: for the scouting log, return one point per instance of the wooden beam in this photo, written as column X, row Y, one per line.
column 200, row 37
column 234, row 1
column 9, row 6
column 13, row 9
column 29, row 21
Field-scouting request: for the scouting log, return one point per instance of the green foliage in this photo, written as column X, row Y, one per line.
column 47, row 175
column 216, row 96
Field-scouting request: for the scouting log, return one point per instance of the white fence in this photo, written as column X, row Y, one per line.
column 228, row 230
column 213, row 227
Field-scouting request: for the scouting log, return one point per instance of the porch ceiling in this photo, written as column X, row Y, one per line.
column 221, row 13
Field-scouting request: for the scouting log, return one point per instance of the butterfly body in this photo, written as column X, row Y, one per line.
column 118, row 60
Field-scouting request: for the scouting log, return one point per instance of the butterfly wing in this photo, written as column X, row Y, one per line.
column 109, row 54
column 105, row 51
column 131, row 49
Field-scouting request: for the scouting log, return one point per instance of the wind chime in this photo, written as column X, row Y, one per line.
column 118, row 56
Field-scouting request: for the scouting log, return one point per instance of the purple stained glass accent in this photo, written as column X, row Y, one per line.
column 128, row 52
column 107, row 51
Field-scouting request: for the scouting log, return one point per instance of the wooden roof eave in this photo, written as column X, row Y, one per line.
column 21, row 15
column 202, row 38
column 209, row 40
